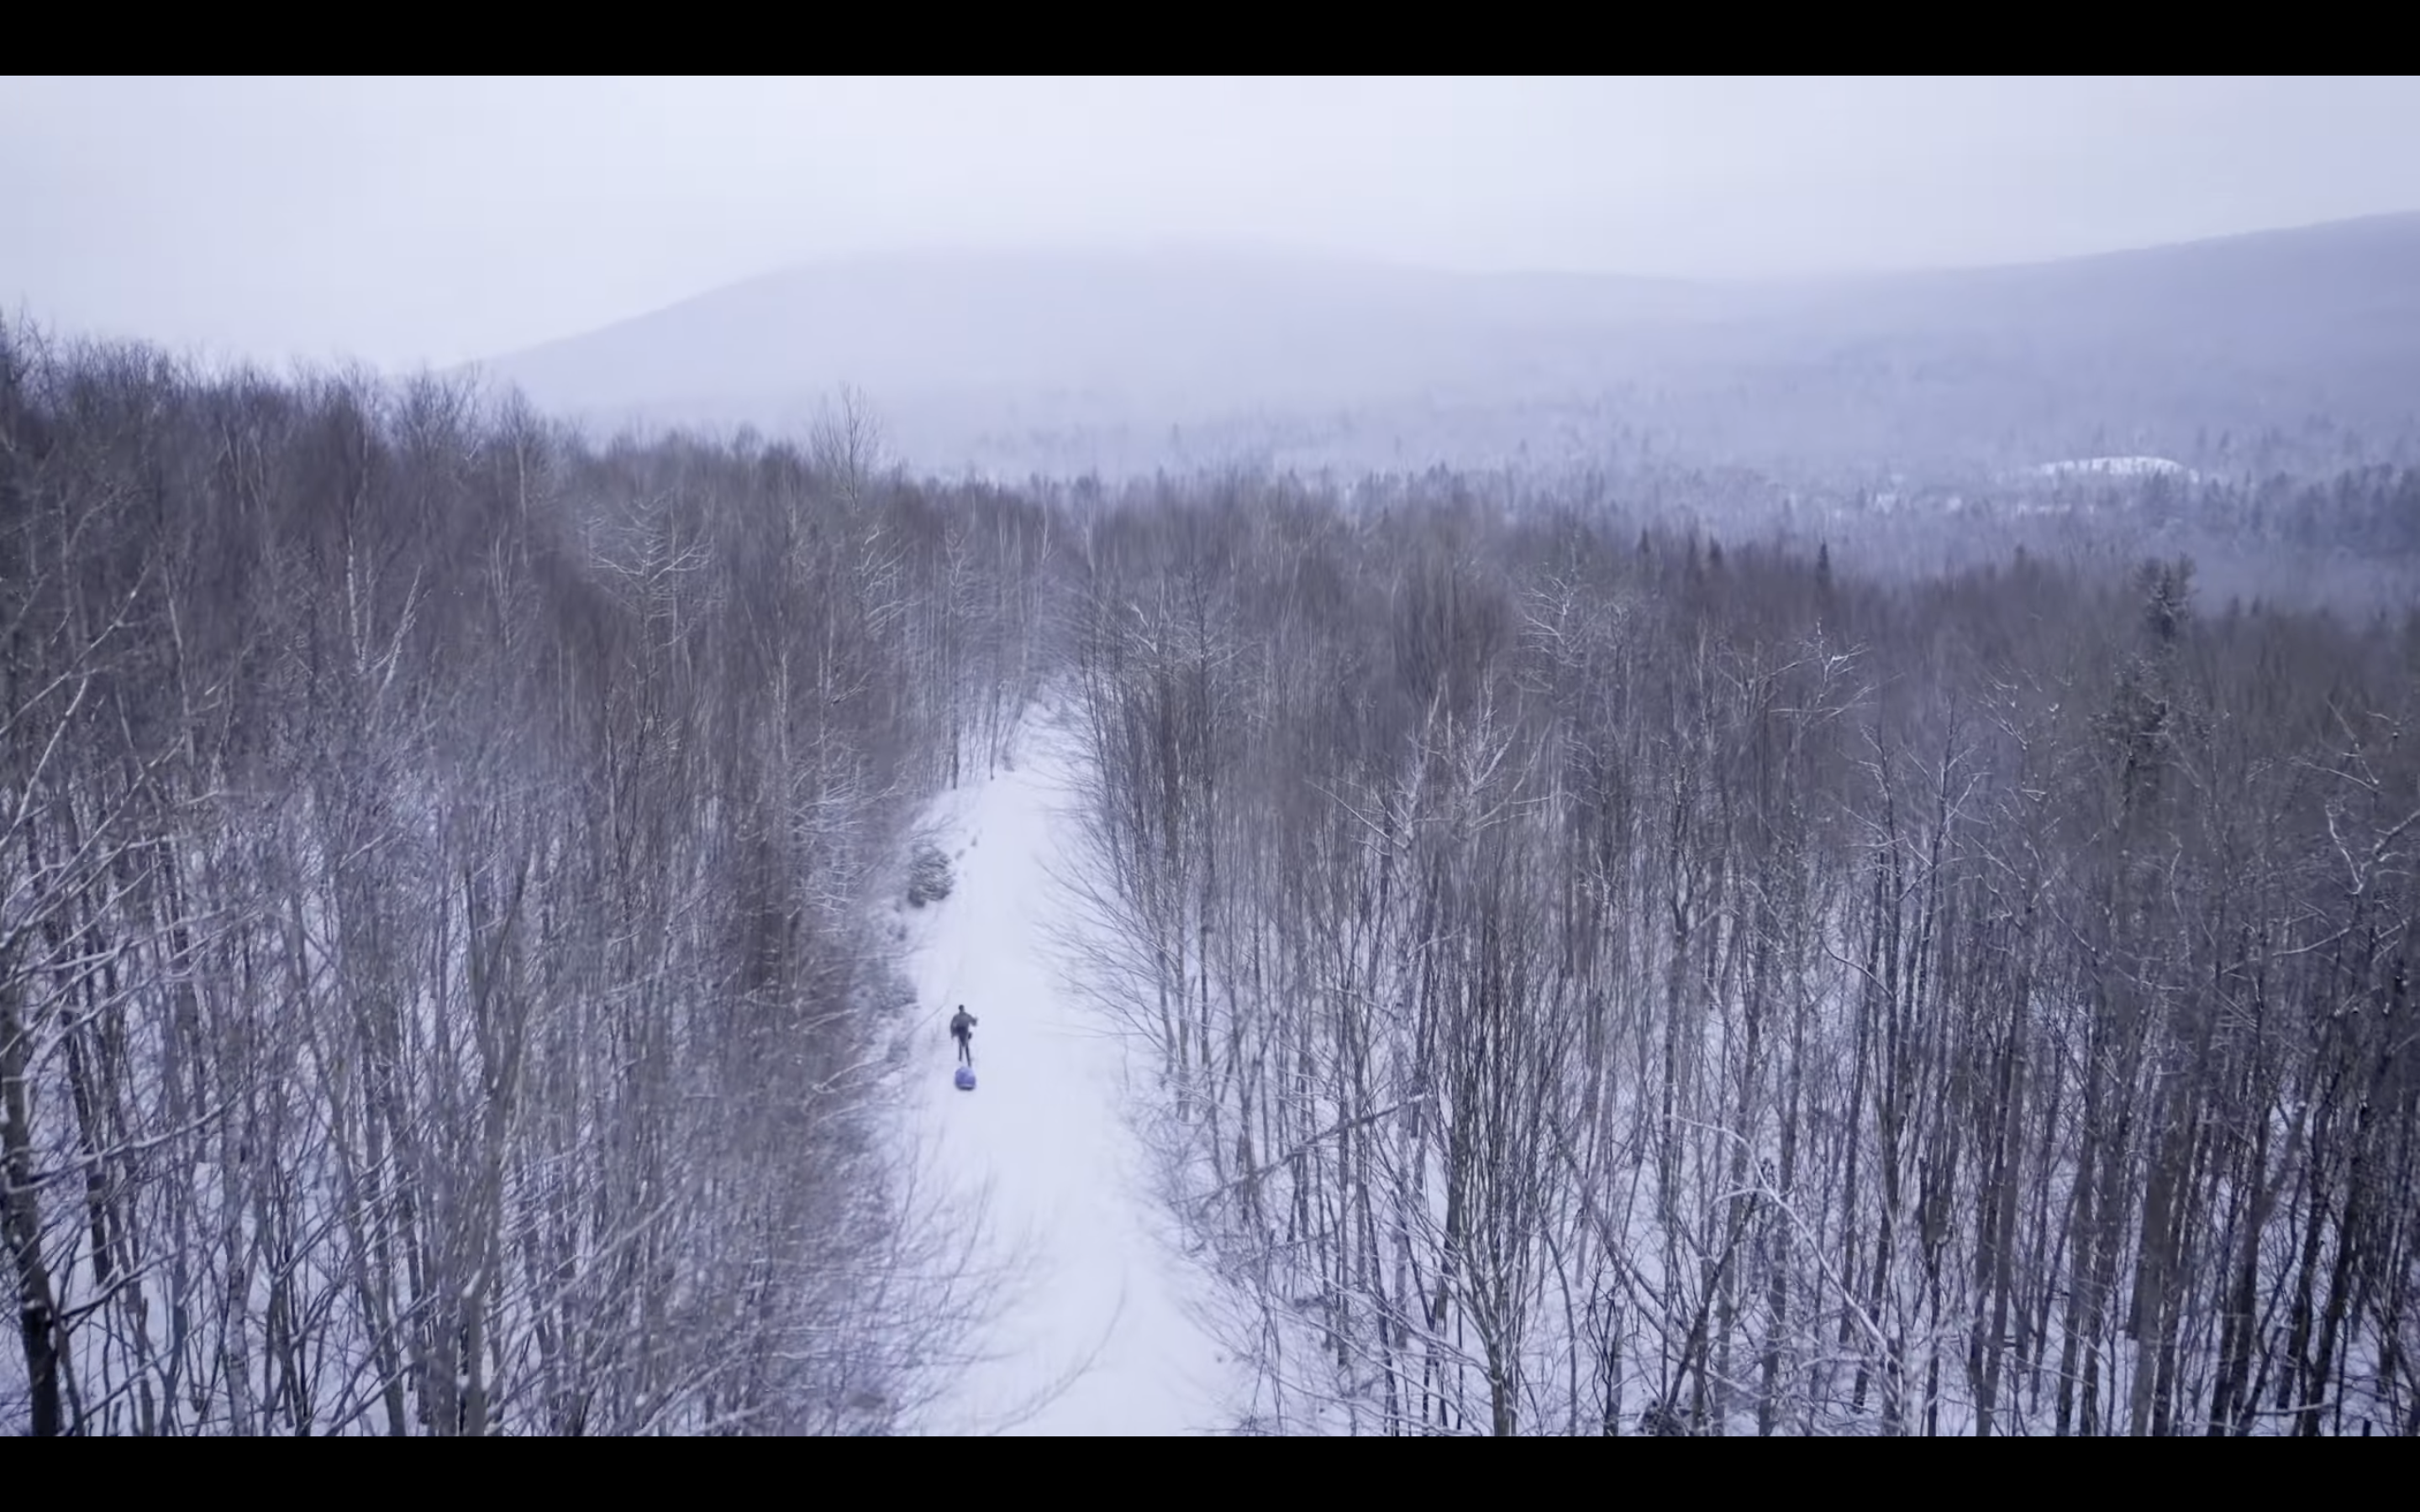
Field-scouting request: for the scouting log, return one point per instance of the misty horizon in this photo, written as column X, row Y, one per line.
column 412, row 222
column 1272, row 252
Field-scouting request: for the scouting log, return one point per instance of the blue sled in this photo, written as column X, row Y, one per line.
column 966, row 1079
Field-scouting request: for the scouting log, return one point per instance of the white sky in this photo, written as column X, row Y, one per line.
column 425, row 219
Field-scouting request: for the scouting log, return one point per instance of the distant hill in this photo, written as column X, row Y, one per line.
column 1141, row 323
column 2303, row 341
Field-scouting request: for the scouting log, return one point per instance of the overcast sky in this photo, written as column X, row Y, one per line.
column 408, row 220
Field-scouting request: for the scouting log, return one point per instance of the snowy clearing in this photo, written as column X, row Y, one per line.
column 2118, row 466
column 1095, row 1335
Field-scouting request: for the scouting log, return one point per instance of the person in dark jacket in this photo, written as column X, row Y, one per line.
column 962, row 1028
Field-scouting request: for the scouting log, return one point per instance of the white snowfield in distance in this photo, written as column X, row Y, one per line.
column 2118, row 466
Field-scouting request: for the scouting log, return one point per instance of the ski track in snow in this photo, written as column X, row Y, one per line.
column 1094, row 1336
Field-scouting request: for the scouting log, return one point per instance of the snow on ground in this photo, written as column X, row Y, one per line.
column 1098, row 1336
column 2121, row 467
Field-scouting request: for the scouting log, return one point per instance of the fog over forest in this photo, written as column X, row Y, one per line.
column 1599, row 757
column 2239, row 356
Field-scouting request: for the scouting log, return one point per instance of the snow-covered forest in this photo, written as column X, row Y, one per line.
column 436, row 993
column 1584, row 973
column 1622, row 984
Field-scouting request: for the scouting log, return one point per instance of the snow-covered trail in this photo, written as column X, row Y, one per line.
column 1094, row 1337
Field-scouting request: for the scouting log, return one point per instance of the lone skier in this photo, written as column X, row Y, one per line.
column 962, row 1028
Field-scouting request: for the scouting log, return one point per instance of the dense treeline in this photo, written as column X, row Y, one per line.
column 437, row 989
column 1606, row 982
